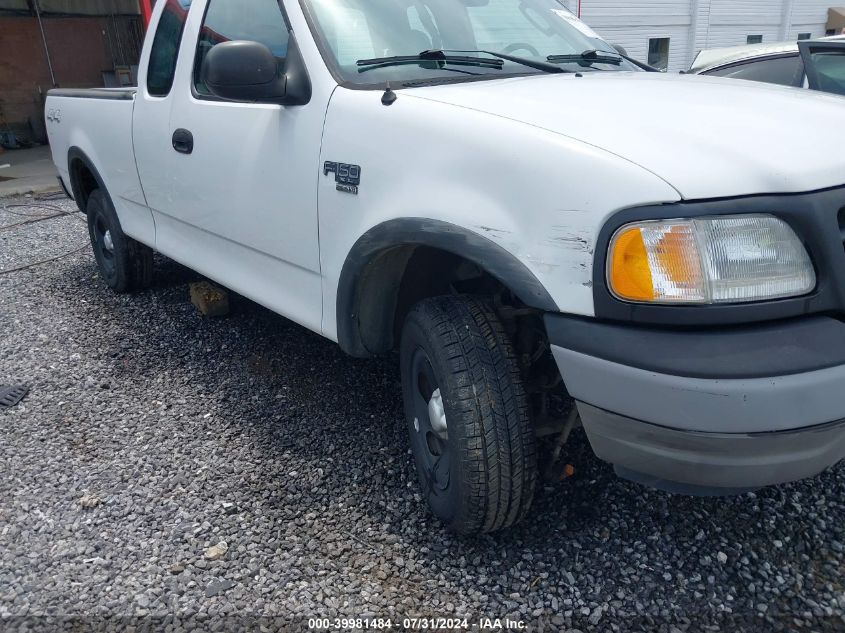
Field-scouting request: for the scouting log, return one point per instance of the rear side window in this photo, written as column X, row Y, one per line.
column 786, row 71
column 165, row 49
column 255, row 20
column 829, row 66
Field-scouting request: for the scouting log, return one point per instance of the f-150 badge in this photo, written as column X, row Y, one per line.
column 347, row 176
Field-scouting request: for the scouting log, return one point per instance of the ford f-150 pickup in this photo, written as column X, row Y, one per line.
column 493, row 191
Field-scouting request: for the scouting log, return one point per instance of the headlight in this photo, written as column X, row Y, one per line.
column 719, row 259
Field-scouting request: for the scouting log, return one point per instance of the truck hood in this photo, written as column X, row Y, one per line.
column 705, row 136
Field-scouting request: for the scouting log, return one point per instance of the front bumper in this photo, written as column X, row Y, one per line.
column 710, row 411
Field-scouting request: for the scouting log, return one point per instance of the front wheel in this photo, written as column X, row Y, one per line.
column 467, row 414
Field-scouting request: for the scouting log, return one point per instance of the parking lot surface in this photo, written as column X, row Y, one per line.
column 152, row 434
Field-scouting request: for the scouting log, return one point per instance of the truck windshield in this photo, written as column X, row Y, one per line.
column 544, row 32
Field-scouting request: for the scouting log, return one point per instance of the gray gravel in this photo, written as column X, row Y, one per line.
column 152, row 434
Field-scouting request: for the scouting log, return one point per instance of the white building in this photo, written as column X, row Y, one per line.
column 669, row 33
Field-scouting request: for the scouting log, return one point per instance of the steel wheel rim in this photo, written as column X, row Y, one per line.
column 429, row 424
column 104, row 243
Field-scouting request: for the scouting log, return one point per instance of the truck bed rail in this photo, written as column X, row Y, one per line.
column 116, row 94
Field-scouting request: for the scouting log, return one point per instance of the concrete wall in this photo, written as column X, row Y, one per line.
column 81, row 48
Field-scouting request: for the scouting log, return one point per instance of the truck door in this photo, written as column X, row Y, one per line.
column 824, row 63
column 153, row 101
column 241, row 191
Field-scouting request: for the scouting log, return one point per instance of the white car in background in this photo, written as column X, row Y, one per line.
column 815, row 64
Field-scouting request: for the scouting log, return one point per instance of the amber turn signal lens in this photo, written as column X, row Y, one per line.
column 716, row 259
column 657, row 262
column 630, row 274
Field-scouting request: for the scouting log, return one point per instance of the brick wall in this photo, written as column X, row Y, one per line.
column 23, row 73
column 80, row 50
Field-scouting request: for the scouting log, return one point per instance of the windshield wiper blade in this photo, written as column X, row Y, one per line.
column 445, row 55
column 428, row 56
column 525, row 61
column 589, row 57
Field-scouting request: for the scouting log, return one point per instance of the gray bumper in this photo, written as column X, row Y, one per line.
column 710, row 463
column 711, row 405
column 724, row 434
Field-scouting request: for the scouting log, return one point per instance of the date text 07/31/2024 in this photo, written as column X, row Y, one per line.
column 417, row 624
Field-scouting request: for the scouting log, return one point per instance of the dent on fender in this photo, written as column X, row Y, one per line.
column 561, row 237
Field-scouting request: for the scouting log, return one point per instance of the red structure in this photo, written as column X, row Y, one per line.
column 146, row 11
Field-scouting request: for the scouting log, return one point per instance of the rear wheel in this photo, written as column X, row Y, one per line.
column 125, row 264
column 467, row 415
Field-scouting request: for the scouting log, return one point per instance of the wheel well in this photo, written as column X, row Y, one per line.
column 83, row 181
column 399, row 277
column 401, row 261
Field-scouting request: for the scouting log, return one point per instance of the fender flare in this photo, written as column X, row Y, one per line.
column 81, row 198
column 486, row 254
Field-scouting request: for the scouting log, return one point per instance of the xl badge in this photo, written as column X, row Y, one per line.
column 347, row 176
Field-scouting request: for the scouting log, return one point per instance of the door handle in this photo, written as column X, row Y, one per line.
column 183, row 141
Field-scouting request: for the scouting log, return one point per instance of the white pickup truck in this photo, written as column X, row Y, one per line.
column 492, row 190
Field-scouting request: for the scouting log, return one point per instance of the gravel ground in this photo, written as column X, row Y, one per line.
column 152, row 434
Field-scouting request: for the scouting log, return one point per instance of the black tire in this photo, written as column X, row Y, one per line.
column 128, row 264
column 481, row 476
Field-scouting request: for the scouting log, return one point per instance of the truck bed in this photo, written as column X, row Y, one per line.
column 95, row 125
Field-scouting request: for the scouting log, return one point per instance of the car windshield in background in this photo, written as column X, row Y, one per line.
column 542, row 32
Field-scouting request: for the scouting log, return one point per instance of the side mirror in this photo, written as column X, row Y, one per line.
column 620, row 49
column 248, row 71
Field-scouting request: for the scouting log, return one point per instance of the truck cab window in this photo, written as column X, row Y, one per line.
column 255, row 20
column 165, row 49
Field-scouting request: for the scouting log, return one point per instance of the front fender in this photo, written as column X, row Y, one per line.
column 484, row 181
column 444, row 236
